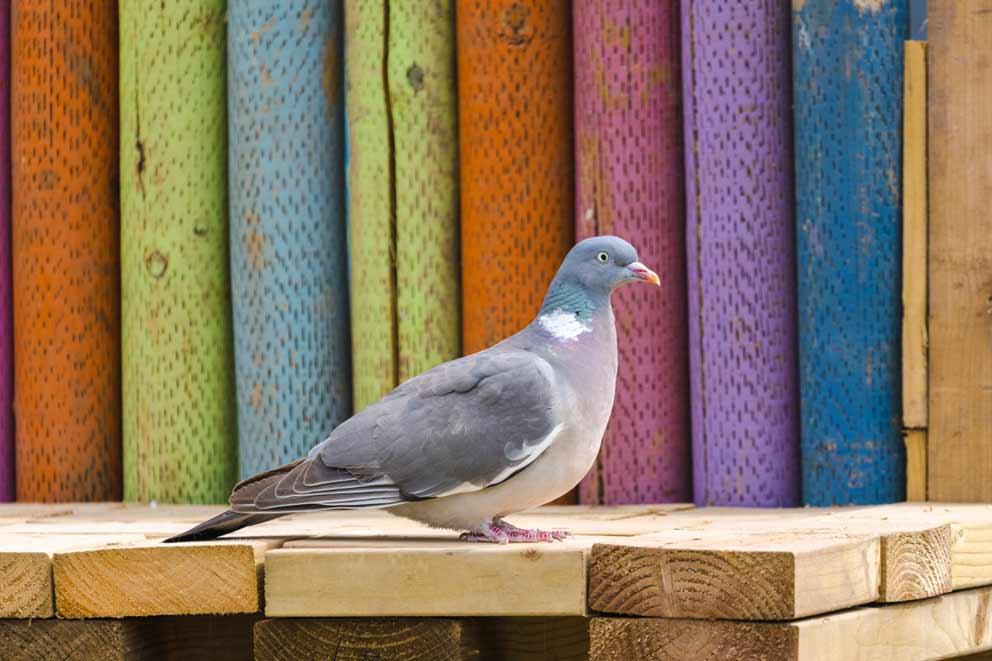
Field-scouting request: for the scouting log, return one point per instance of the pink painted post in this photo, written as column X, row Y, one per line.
column 629, row 183
column 6, row 334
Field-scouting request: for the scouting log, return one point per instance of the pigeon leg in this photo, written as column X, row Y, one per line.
column 515, row 534
column 499, row 531
column 487, row 532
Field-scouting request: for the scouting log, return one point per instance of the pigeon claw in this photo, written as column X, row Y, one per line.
column 499, row 531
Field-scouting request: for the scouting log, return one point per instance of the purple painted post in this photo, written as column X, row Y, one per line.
column 740, row 252
column 6, row 334
column 629, row 183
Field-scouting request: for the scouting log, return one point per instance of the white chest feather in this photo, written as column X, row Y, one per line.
column 563, row 325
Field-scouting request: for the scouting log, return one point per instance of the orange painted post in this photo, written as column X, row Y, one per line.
column 65, row 250
column 515, row 133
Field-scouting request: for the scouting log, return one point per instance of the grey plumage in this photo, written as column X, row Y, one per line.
column 537, row 402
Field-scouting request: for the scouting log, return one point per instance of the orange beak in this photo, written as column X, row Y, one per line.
column 643, row 273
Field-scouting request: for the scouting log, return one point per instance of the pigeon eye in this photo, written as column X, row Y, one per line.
column 603, row 257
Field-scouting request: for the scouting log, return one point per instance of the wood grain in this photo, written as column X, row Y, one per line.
column 916, row 464
column 614, row 639
column 959, row 437
column 26, row 568
column 915, row 555
column 914, row 237
column 217, row 638
column 425, row 578
column 159, row 579
column 731, row 575
column 941, row 627
column 532, row 638
column 290, row 639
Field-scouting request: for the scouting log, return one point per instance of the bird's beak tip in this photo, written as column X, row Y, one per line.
column 644, row 274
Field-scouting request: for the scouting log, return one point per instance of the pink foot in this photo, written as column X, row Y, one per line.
column 500, row 532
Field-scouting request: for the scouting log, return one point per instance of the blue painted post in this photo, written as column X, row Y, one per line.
column 847, row 64
column 288, row 247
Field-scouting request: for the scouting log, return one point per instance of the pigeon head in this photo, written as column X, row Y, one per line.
column 603, row 263
column 592, row 269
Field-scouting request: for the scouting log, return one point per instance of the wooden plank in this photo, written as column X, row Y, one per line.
column 290, row 639
column 532, row 638
column 160, row 521
column 959, row 437
column 971, row 534
column 764, row 576
column 915, row 561
column 26, row 569
column 914, row 237
column 916, row 464
column 219, row 638
column 941, row 627
column 326, row 578
column 160, row 579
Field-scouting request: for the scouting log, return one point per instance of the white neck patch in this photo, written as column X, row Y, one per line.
column 563, row 325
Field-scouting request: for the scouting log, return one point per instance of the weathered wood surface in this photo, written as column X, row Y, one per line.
column 959, row 438
column 848, row 168
column 6, row 299
column 159, row 579
column 628, row 163
column 106, row 561
column 740, row 253
column 914, row 237
column 349, row 639
column 445, row 577
column 26, row 568
column 516, row 167
column 179, row 411
column 66, row 249
column 289, row 252
column 729, row 575
column 226, row 638
column 916, row 464
column 941, row 627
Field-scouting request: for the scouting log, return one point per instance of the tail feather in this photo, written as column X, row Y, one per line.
column 221, row 524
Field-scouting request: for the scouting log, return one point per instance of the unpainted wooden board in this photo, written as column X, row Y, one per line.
column 160, row 579
column 350, row 639
column 728, row 574
column 915, row 555
column 226, row 638
column 914, row 237
column 940, row 627
column 532, row 638
column 971, row 534
column 325, row 578
column 959, row 436
column 916, row 464
column 26, row 569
